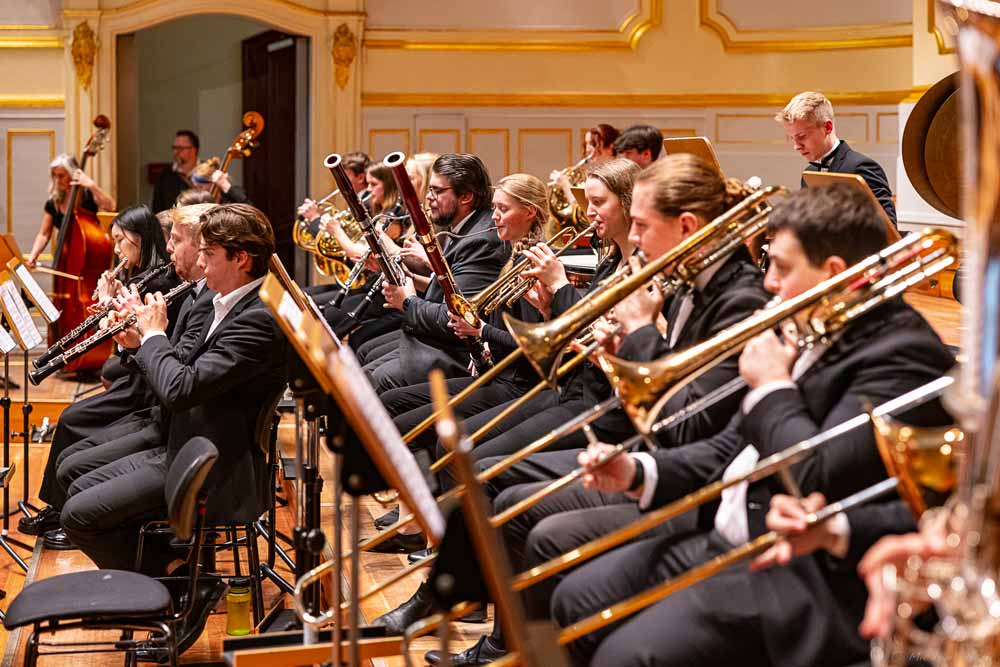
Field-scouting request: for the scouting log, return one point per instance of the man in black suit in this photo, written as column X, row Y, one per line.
column 177, row 179
column 233, row 374
column 124, row 407
column 459, row 200
column 736, row 616
column 808, row 123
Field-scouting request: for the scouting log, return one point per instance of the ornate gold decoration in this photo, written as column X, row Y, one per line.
column 345, row 49
column 84, row 50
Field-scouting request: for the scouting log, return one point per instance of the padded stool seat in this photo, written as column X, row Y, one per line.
column 88, row 595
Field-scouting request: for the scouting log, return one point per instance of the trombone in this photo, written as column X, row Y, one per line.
column 544, row 344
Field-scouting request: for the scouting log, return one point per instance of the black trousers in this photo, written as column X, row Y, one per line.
column 377, row 347
column 412, row 404
column 107, row 506
column 376, row 320
column 125, row 437
column 81, row 420
column 714, row 622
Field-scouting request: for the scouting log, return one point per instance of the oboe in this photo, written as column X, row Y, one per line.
column 93, row 320
column 59, row 361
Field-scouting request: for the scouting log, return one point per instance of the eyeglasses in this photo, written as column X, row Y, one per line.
column 435, row 192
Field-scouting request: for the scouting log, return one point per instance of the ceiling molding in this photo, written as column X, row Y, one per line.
column 734, row 38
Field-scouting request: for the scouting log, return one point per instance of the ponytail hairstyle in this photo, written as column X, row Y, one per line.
column 531, row 192
column 685, row 183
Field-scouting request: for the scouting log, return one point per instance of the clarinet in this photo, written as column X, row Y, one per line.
column 355, row 315
column 93, row 320
column 60, row 360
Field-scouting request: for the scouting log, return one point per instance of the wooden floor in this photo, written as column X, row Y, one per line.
column 55, row 393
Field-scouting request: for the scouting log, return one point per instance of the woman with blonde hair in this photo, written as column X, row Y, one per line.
column 207, row 174
column 65, row 172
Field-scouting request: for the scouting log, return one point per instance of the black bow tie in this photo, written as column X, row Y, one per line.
column 824, row 163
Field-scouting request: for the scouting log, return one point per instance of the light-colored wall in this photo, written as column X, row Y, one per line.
column 190, row 77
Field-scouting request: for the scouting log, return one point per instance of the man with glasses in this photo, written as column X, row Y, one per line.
column 172, row 183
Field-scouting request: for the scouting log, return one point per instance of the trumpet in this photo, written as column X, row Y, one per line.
column 60, row 360
column 95, row 318
column 543, row 344
column 115, row 272
column 511, row 286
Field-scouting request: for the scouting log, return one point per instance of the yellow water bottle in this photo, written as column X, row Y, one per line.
column 238, row 606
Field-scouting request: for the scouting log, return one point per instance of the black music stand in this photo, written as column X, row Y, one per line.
column 7, row 344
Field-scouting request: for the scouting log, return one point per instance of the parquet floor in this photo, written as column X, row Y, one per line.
column 944, row 315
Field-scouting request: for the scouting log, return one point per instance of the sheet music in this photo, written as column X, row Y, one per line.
column 368, row 404
column 18, row 318
column 289, row 310
column 36, row 293
column 7, row 342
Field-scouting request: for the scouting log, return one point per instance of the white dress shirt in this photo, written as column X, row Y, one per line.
column 222, row 305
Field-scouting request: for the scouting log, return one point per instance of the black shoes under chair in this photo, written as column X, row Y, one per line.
column 43, row 521
column 483, row 652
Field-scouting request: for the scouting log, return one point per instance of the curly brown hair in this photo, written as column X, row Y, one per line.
column 237, row 227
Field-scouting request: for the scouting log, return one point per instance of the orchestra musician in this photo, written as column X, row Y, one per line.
column 791, row 615
column 207, row 175
column 598, row 146
column 640, row 143
column 808, row 123
column 216, row 389
column 139, row 242
column 177, row 179
column 65, row 172
column 458, row 197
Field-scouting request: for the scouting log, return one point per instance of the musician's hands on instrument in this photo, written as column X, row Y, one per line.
column 789, row 515
column 151, row 314
column 308, row 209
column 80, row 178
column 641, row 307
column 546, row 267
column 221, row 179
column 767, row 358
column 609, row 334
column 614, row 476
column 462, row 328
column 394, row 296
column 129, row 339
column 540, row 297
column 415, row 253
column 107, row 287
column 895, row 550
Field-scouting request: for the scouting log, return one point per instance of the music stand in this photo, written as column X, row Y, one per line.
column 818, row 179
column 28, row 337
column 697, row 146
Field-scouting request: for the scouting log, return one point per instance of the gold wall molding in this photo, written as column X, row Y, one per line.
column 626, row 36
column 943, row 47
column 673, row 132
column 853, row 114
column 33, row 101
column 470, row 142
column 452, row 132
column 734, row 38
column 553, row 131
column 618, row 100
column 84, row 51
column 879, row 138
column 8, row 139
column 30, row 41
column 138, row 5
column 345, row 50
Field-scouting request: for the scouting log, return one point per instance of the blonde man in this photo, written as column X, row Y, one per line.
column 808, row 123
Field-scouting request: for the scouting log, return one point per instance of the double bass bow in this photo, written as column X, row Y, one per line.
column 83, row 249
column 242, row 145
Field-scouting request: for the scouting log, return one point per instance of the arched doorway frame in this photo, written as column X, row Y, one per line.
column 334, row 113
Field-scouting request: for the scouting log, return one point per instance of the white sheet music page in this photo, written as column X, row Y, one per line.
column 360, row 392
column 36, row 293
column 7, row 342
column 18, row 318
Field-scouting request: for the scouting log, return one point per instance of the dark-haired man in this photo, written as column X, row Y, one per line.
column 794, row 615
column 235, row 371
column 460, row 201
column 178, row 179
column 356, row 164
column 640, row 143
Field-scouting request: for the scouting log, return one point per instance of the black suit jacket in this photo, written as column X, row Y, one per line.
column 167, row 187
column 734, row 293
column 846, row 160
column 220, row 392
column 810, row 610
column 427, row 342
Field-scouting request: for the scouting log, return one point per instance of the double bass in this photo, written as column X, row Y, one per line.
column 82, row 249
column 242, row 145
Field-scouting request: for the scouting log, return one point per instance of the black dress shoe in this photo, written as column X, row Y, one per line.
column 387, row 519
column 417, row 556
column 58, row 540
column 408, row 613
column 210, row 590
column 477, row 615
column 45, row 520
column 482, row 652
column 401, row 544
